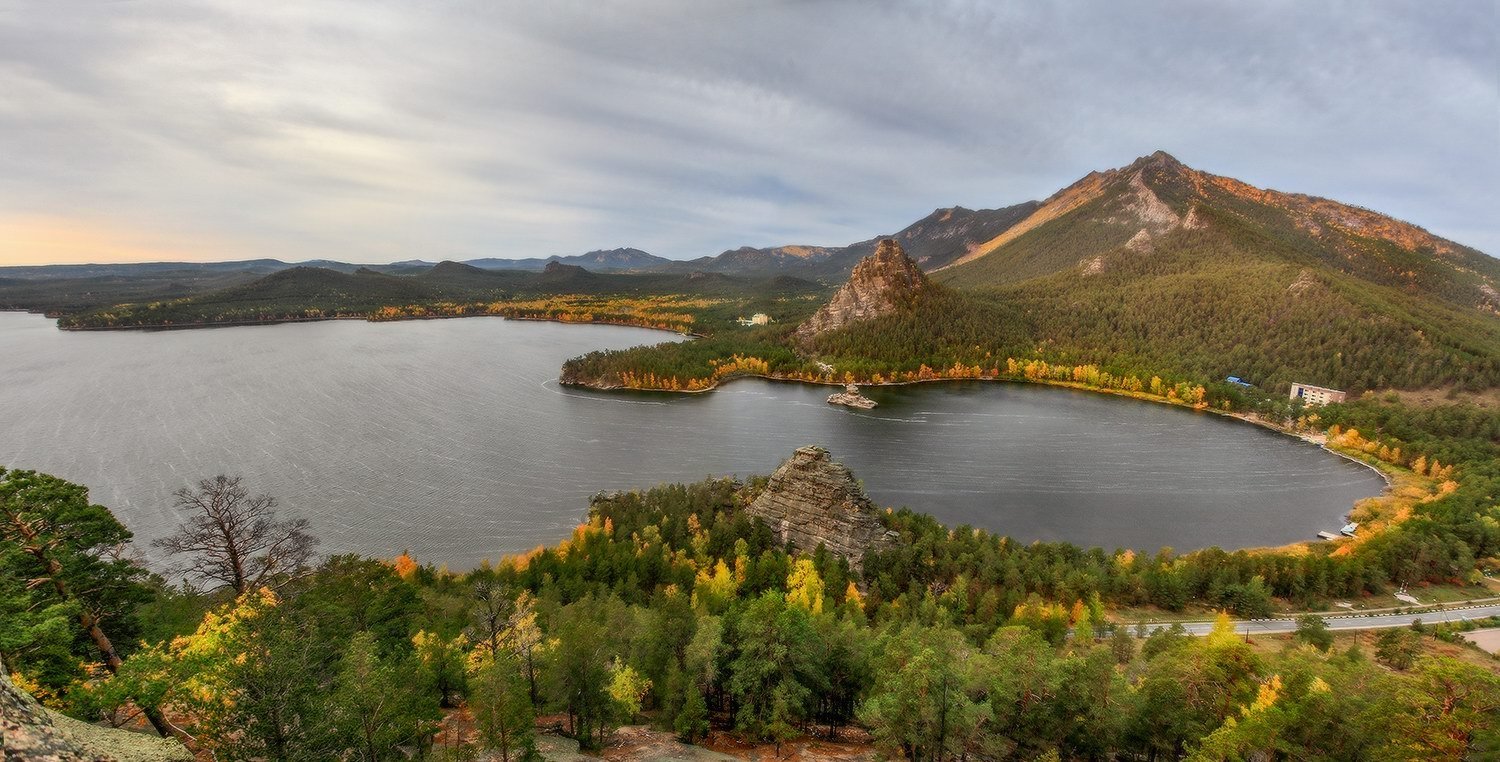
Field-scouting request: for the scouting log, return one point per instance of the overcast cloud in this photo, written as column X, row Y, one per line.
column 379, row 131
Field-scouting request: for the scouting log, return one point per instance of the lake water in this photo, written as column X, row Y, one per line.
column 452, row 439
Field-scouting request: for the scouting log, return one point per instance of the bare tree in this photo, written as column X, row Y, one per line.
column 234, row 539
column 491, row 611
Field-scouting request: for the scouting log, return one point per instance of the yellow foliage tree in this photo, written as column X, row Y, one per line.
column 804, row 587
column 713, row 591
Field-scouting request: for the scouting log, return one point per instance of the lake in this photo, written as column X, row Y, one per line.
column 451, row 439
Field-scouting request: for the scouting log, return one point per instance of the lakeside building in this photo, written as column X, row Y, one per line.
column 759, row 318
column 1316, row 395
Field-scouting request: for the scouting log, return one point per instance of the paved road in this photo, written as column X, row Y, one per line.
column 1346, row 621
column 1488, row 639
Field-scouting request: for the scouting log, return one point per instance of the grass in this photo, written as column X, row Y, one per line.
column 1462, row 651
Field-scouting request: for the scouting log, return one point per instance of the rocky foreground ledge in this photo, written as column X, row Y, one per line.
column 29, row 731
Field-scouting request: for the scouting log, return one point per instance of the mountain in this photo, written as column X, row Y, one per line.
column 946, row 235
column 616, row 260
column 934, row 241
column 1168, row 267
column 559, row 273
column 1134, row 210
column 882, row 283
column 601, row 260
column 748, row 259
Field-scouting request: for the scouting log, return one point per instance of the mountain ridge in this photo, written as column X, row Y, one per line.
column 1134, row 205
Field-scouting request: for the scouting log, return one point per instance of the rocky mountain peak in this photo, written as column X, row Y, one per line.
column 880, row 284
column 1159, row 160
column 811, row 500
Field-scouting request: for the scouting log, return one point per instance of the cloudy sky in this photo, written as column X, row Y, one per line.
column 377, row 131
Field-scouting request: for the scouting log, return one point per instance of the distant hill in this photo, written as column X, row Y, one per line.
column 748, row 259
column 314, row 292
column 602, row 260
column 932, row 242
column 134, row 269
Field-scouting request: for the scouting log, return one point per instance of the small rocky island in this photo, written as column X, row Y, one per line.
column 851, row 397
column 811, row 500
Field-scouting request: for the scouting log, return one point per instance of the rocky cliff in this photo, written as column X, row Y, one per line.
column 811, row 500
column 880, row 284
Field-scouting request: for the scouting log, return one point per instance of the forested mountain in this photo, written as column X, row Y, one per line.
column 602, row 260
column 450, row 289
column 1159, row 265
column 933, row 241
column 1143, row 207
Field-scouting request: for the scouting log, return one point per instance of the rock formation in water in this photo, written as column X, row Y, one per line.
column 881, row 283
column 811, row 500
column 851, row 397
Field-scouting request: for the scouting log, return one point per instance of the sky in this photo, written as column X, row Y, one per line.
column 371, row 131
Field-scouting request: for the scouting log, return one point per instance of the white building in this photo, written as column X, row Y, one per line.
column 759, row 318
column 1316, row 395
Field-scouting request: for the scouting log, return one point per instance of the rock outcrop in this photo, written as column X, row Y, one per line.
column 27, row 730
column 851, row 397
column 30, row 732
column 810, row 500
column 881, row 283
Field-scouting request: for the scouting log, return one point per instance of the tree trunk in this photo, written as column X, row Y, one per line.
column 531, row 674
column 88, row 621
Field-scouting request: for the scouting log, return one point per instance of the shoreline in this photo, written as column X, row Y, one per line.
column 364, row 318
column 1248, row 418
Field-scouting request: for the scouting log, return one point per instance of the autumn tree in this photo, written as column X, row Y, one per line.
column 442, row 660
column 804, row 587
column 253, row 678
column 524, row 639
column 234, row 539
